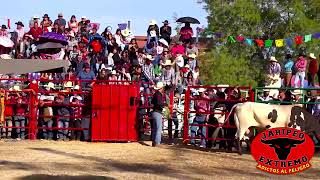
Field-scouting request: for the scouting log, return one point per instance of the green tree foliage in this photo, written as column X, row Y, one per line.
column 238, row 64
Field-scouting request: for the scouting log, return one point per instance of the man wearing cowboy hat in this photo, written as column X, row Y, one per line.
column 168, row 74
column 19, row 30
column 201, row 106
column 192, row 61
column 165, row 31
column 312, row 69
column 158, row 101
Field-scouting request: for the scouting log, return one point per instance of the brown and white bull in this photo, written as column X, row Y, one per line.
column 263, row 116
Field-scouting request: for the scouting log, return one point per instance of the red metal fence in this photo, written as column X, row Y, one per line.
column 200, row 123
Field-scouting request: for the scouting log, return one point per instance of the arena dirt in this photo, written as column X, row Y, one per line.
column 24, row 160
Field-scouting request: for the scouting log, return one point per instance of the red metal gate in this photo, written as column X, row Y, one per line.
column 189, row 110
column 114, row 112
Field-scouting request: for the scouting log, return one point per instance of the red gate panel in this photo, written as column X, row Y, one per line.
column 114, row 112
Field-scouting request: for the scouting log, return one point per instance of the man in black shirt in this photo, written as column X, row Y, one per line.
column 158, row 101
column 165, row 31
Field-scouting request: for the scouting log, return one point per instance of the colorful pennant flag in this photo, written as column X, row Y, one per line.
column 260, row 42
column 298, row 40
column 268, row 43
column 307, row 38
column 316, row 36
column 240, row 38
column 289, row 42
column 231, row 39
column 249, row 41
column 279, row 43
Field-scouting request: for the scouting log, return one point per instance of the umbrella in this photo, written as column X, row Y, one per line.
column 53, row 37
column 50, row 45
column 190, row 20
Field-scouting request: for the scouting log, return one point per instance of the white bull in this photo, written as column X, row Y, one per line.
column 261, row 116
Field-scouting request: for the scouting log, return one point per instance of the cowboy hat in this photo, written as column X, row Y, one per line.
column 153, row 22
column 311, row 55
column 76, row 87
column 159, row 85
column 164, row 42
column 192, row 56
column 201, row 90
column 109, row 68
column 296, row 92
column 273, row 59
column 125, row 32
column 3, row 27
column 5, row 56
column 149, row 57
column 15, row 88
column 167, row 63
column 35, row 17
column 187, row 66
column 50, row 85
column 45, row 16
column 68, row 84
column 60, row 15
column 19, row 23
column 165, row 22
column 114, row 72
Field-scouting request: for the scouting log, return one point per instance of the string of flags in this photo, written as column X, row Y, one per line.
column 277, row 42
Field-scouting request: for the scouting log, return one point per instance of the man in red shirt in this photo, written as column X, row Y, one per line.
column 35, row 31
column 19, row 111
column 313, row 69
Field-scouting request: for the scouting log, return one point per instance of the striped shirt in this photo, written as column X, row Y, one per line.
column 148, row 71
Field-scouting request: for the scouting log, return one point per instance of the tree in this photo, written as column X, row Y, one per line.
column 255, row 19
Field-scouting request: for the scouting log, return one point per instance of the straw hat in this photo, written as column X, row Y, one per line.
column 167, row 63
column 68, row 84
column 192, row 56
column 187, row 66
column 149, row 57
column 296, row 92
column 201, row 90
column 5, row 56
column 114, row 72
column 159, row 85
column 125, row 32
column 273, row 59
column 50, row 85
column 311, row 55
column 164, row 42
column 76, row 87
column 15, row 88
column 153, row 22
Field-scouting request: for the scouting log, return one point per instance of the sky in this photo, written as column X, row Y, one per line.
column 105, row 12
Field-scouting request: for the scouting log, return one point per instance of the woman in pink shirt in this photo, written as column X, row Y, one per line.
column 300, row 66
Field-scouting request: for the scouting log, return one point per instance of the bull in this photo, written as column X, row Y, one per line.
column 264, row 116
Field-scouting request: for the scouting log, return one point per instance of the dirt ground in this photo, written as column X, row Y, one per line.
column 24, row 160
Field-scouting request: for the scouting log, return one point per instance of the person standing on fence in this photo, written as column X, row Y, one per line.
column 201, row 106
column 158, row 101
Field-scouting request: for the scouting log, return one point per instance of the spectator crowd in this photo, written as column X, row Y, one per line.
column 109, row 57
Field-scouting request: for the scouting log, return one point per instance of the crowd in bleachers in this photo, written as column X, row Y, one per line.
column 108, row 57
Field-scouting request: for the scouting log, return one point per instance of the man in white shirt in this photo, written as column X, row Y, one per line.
column 19, row 30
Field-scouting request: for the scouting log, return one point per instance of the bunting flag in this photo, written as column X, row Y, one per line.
column 298, row 40
column 268, row 43
column 231, row 39
column 307, row 38
column 240, row 38
column 260, row 42
column 289, row 42
column 249, row 42
column 279, row 43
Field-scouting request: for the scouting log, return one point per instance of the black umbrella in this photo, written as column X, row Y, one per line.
column 49, row 45
column 190, row 20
